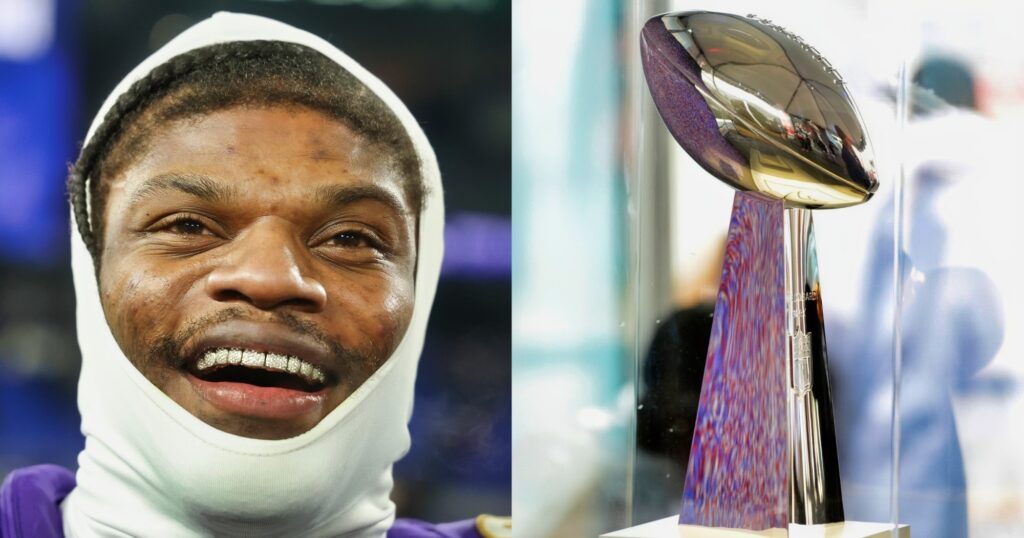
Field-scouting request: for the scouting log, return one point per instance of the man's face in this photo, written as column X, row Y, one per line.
column 258, row 266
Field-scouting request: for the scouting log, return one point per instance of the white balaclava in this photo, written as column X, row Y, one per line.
column 151, row 468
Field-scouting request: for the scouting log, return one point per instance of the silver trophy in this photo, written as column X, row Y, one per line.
column 764, row 112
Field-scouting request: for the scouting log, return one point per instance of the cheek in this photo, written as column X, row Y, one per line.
column 139, row 304
column 374, row 315
column 397, row 309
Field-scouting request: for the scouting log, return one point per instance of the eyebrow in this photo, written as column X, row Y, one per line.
column 342, row 195
column 205, row 188
column 197, row 185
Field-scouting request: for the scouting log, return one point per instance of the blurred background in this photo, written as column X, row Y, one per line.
column 618, row 239
column 447, row 59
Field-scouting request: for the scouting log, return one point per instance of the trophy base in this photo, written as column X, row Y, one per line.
column 670, row 528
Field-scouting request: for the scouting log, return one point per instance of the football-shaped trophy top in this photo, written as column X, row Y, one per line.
column 758, row 108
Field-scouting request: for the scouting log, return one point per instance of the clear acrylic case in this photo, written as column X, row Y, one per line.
column 920, row 288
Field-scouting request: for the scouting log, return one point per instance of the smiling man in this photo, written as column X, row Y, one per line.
column 259, row 237
column 257, row 263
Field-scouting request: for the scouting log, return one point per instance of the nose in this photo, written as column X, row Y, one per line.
column 263, row 268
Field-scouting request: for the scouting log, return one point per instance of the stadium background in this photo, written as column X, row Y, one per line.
column 449, row 60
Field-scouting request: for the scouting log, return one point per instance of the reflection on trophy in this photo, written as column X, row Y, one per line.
column 761, row 110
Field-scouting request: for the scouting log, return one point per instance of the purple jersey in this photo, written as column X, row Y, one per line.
column 30, row 499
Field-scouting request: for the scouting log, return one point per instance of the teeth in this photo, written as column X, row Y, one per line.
column 277, row 362
column 253, row 359
column 206, row 362
column 267, row 361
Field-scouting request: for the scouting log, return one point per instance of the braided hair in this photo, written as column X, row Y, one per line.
column 216, row 77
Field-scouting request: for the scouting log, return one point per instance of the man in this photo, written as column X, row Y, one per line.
column 259, row 240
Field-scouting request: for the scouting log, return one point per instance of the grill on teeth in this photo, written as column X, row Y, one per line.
column 265, row 361
column 253, row 359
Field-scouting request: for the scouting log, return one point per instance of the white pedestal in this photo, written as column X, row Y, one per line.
column 670, row 528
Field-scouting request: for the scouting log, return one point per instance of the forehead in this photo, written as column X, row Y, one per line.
column 277, row 150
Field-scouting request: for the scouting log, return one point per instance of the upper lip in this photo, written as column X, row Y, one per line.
column 263, row 337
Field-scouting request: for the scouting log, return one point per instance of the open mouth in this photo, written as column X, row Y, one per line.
column 260, row 369
column 260, row 385
column 263, row 375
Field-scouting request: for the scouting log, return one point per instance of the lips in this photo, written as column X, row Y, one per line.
column 260, row 370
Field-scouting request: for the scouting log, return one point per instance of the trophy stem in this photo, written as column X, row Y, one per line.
column 815, row 495
column 738, row 474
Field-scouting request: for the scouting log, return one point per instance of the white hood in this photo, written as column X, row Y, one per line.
column 150, row 468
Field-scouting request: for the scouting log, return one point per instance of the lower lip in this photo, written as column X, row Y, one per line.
column 271, row 403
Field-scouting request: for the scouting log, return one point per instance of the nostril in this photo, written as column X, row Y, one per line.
column 305, row 295
column 229, row 296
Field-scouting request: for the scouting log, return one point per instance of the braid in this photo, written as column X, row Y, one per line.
column 219, row 76
column 128, row 105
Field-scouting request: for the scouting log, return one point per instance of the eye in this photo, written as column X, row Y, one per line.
column 351, row 243
column 187, row 227
column 351, row 239
column 183, row 225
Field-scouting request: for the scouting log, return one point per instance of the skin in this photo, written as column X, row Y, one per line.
column 226, row 217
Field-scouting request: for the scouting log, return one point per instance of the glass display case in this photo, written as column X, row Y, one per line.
column 615, row 289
